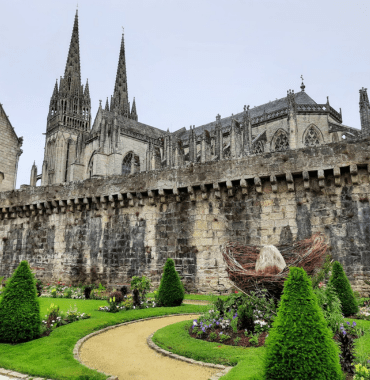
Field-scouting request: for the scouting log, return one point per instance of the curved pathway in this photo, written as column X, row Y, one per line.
column 123, row 352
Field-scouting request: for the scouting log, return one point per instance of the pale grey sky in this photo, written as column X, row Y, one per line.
column 186, row 60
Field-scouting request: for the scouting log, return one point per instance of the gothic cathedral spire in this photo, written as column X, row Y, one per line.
column 73, row 68
column 69, row 116
column 120, row 95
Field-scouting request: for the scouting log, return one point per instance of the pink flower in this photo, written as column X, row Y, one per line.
column 321, row 284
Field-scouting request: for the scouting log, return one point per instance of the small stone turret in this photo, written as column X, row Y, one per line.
column 364, row 112
column 33, row 179
column 218, row 138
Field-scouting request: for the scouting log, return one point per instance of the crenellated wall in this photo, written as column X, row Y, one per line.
column 112, row 228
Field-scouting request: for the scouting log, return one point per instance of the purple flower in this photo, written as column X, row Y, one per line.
column 217, row 323
column 344, row 332
column 348, row 323
column 221, row 333
column 353, row 324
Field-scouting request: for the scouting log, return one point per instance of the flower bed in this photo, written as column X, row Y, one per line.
column 239, row 320
column 127, row 303
column 240, row 338
column 62, row 290
column 55, row 318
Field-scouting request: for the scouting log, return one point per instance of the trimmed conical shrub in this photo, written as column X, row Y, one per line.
column 171, row 290
column 300, row 345
column 20, row 319
column 343, row 288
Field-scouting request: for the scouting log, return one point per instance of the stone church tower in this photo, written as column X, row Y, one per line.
column 69, row 119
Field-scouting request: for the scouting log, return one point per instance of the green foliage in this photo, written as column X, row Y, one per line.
column 361, row 372
column 19, row 308
column 343, row 288
column 68, row 293
column 101, row 287
column 224, row 337
column 323, row 272
column 171, row 291
column 329, row 302
column 212, row 336
column 300, row 345
column 142, row 284
column 363, row 301
column 253, row 340
column 237, row 340
column 245, row 315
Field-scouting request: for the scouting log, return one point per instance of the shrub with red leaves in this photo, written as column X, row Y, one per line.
column 118, row 296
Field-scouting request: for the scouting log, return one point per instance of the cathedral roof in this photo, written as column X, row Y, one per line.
column 300, row 98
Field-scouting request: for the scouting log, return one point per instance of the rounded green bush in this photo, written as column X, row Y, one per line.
column 343, row 288
column 171, row 290
column 300, row 345
column 20, row 319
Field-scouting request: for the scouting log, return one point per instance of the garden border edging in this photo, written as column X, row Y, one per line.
column 216, row 376
column 152, row 345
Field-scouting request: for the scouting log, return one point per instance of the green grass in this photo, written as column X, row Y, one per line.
column 175, row 338
column 198, row 297
column 52, row 356
column 247, row 362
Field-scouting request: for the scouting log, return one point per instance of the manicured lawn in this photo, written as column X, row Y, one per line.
column 52, row 356
column 198, row 297
column 248, row 362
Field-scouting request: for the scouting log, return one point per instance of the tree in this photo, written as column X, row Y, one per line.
column 20, row 319
column 300, row 345
column 171, row 290
column 343, row 288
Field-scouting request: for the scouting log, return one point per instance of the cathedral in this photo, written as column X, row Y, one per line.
column 118, row 144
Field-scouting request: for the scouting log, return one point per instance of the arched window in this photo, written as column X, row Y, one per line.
column 311, row 137
column 281, row 142
column 126, row 164
column 258, row 147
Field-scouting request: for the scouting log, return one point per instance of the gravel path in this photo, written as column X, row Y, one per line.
column 124, row 352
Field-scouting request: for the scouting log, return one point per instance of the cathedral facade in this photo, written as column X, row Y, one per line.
column 118, row 144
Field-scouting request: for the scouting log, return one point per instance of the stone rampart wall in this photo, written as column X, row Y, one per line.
column 112, row 228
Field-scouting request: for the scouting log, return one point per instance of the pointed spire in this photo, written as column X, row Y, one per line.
column 107, row 105
column 120, row 95
column 87, row 90
column 133, row 111
column 73, row 59
column 111, row 103
column 302, row 85
column 55, row 92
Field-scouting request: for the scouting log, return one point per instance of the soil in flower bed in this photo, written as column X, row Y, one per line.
column 244, row 340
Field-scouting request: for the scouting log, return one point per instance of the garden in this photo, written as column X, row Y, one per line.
column 317, row 329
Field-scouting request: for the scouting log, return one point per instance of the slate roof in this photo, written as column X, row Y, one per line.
column 300, row 98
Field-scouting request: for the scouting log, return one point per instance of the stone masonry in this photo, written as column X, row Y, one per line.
column 111, row 229
column 10, row 150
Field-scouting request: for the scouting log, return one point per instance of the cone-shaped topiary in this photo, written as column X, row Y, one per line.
column 171, row 290
column 20, row 319
column 300, row 345
column 343, row 288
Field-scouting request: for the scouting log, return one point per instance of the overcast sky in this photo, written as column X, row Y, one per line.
column 186, row 60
